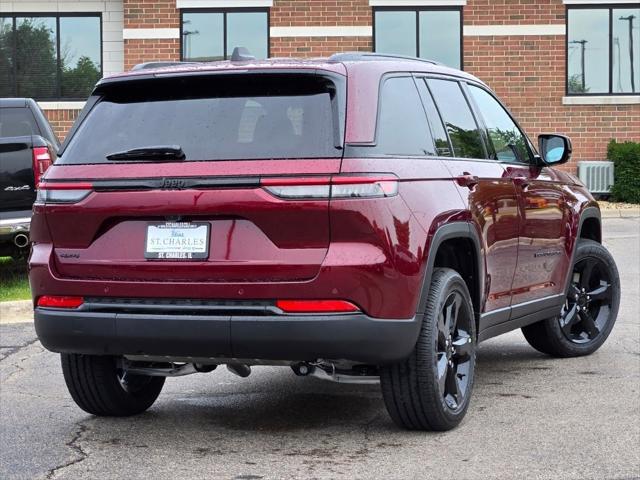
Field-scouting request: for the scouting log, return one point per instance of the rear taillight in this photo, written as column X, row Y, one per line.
column 57, row 301
column 337, row 187
column 41, row 161
column 49, row 192
column 316, row 306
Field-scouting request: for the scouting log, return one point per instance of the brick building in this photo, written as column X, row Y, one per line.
column 567, row 66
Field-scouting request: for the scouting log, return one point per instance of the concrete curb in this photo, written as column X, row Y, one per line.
column 15, row 312
column 620, row 213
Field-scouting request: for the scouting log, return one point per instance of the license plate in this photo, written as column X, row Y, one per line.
column 177, row 241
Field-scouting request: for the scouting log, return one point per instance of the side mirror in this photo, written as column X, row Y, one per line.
column 554, row 149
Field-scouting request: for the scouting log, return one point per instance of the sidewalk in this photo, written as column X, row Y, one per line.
column 16, row 312
column 618, row 210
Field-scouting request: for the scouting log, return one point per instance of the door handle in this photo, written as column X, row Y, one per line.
column 521, row 181
column 467, row 180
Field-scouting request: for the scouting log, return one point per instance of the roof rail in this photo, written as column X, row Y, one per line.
column 149, row 65
column 372, row 57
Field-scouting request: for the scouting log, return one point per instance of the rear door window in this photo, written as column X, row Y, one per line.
column 17, row 122
column 443, row 148
column 229, row 117
column 463, row 130
column 402, row 123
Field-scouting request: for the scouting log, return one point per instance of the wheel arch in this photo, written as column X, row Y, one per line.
column 456, row 245
column 589, row 227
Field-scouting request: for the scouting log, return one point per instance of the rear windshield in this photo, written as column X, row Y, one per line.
column 17, row 122
column 228, row 117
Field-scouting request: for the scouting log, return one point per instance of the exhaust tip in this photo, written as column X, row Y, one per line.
column 21, row 240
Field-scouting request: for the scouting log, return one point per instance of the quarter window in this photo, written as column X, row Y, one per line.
column 50, row 56
column 427, row 33
column 459, row 121
column 603, row 50
column 508, row 142
column 209, row 35
column 402, row 123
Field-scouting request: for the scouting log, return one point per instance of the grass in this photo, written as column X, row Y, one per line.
column 14, row 284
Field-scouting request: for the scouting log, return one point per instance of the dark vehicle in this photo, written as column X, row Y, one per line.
column 27, row 148
column 358, row 218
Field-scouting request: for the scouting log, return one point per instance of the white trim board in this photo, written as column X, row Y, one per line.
column 224, row 3
column 320, row 31
column 602, row 100
column 516, row 30
column 597, row 2
column 62, row 105
column 150, row 33
column 416, row 3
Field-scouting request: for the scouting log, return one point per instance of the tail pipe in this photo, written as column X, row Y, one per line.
column 21, row 240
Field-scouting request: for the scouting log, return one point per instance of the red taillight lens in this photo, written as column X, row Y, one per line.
column 41, row 161
column 316, row 306
column 336, row 187
column 59, row 192
column 56, row 301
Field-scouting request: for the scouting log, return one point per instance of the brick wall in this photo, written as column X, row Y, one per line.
column 513, row 12
column 139, row 51
column 151, row 14
column 296, row 13
column 317, row 46
column 61, row 120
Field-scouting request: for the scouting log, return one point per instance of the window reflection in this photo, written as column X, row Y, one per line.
column 6, row 57
column 79, row 55
column 626, row 50
column 204, row 35
column 588, row 51
column 36, row 57
column 440, row 36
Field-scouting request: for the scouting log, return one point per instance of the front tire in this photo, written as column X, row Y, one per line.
column 100, row 388
column 590, row 310
column 431, row 389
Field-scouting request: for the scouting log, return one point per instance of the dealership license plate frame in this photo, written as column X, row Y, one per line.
column 176, row 255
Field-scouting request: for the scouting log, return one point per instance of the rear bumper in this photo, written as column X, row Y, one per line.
column 10, row 227
column 354, row 337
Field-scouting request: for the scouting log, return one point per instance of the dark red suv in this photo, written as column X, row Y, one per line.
column 360, row 217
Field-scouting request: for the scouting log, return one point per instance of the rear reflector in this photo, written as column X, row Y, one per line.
column 55, row 301
column 41, row 161
column 316, row 306
column 337, row 187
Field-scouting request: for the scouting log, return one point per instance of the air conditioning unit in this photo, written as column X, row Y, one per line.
column 597, row 176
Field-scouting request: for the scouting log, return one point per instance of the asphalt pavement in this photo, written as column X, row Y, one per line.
column 531, row 416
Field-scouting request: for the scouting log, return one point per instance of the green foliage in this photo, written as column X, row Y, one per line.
column 79, row 81
column 626, row 160
column 575, row 85
column 14, row 284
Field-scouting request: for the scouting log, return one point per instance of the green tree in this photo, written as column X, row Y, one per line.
column 78, row 82
column 575, row 84
column 36, row 59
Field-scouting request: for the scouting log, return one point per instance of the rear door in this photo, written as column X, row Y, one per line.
column 488, row 194
column 542, row 259
column 238, row 134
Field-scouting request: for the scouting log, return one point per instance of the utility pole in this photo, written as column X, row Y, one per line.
column 630, row 19
column 582, row 44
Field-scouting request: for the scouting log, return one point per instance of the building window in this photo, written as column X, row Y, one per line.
column 433, row 33
column 603, row 50
column 209, row 35
column 50, row 56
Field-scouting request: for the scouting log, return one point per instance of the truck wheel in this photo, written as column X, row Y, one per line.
column 431, row 389
column 590, row 309
column 100, row 388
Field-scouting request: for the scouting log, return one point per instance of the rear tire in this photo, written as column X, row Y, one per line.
column 431, row 389
column 590, row 310
column 100, row 388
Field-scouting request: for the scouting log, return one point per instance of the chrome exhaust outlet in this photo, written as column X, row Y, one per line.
column 21, row 240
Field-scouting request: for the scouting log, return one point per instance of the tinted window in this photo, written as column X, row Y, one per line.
column 422, row 32
column 56, row 56
column 229, row 117
column 440, row 36
column 463, row 130
column 204, row 34
column 588, row 51
column 509, row 144
column 402, row 123
column 16, row 122
column 438, row 132
column 396, row 32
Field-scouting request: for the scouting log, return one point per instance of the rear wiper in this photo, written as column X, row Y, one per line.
column 152, row 153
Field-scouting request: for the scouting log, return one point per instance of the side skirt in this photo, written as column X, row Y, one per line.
column 510, row 318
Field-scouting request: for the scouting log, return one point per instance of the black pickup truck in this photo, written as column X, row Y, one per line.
column 27, row 147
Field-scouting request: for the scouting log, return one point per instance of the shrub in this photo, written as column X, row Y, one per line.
column 626, row 161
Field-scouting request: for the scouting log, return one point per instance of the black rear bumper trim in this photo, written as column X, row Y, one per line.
column 354, row 337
